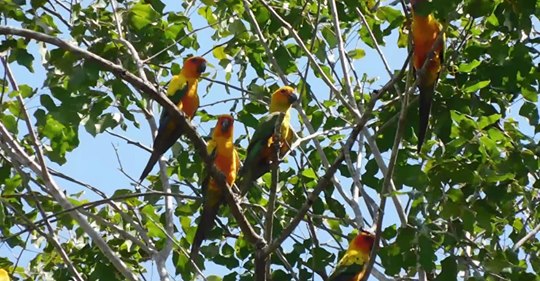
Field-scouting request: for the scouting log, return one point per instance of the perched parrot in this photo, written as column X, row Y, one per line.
column 259, row 151
column 182, row 91
column 425, row 30
column 352, row 265
column 226, row 159
column 4, row 276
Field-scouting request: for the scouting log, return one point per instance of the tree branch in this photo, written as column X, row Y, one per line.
column 529, row 235
column 310, row 56
column 342, row 54
column 263, row 41
column 16, row 152
column 190, row 132
column 388, row 181
column 325, row 180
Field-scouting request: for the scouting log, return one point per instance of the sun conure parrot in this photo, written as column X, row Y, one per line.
column 425, row 30
column 182, row 91
column 260, row 149
column 221, row 148
column 351, row 267
column 4, row 276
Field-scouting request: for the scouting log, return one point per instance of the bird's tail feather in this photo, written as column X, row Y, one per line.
column 206, row 223
column 151, row 162
column 426, row 97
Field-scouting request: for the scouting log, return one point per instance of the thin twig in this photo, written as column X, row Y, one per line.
column 240, row 89
column 269, row 218
column 51, row 236
column 299, row 141
column 387, row 182
column 377, row 47
column 310, row 56
column 372, row 144
column 180, row 39
column 129, row 141
column 43, row 171
column 223, row 101
column 263, row 41
column 343, row 56
column 96, row 203
column 325, row 180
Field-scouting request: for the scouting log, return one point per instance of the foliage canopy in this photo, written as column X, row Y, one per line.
column 464, row 208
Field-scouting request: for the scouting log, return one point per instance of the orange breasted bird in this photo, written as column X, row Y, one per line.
column 351, row 267
column 425, row 30
column 260, row 149
column 221, row 149
column 182, row 91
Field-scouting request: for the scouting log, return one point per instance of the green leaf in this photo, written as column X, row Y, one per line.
column 143, row 15
column 427, row 253
column 530, row 111
column 10, row 122
column 449, row 269
column 219, row 53
column 485, row 121
column 336, row 207
column 320, row 258
column 21, row 55
column 469, row 67
column 529, row 93
column 476, row 86
column 208, row 14
column 309, row 173
column 479, row 8
column 356, row 53
column 329, row 36
column 37, row 3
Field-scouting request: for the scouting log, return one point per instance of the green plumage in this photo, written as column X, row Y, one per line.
column 167, row 134
column 256, row 164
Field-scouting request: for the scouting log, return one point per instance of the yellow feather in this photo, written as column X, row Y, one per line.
column 210, row 147
column 4, row 275
column 177, row 82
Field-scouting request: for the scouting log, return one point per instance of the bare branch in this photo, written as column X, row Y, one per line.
column 223, row 101
column 129, row 141
column 240, row 89
column 377, row 47
column 343, row 56
column 51, row 236
column 269, row 217
column 180, row 39
column 264, row 43
column 18, row 154
column 325, row 180
column 387, row 182
column 310, row 56
column 529, row 235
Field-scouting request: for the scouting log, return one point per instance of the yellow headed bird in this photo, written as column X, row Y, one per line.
column 226, row 159
column 182, row 91
column 352, row 265
column 260, row 149
column 425, row 30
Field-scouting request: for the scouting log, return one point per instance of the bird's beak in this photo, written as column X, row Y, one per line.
column 293, row 98
column 202, row 67
column 225, row 125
